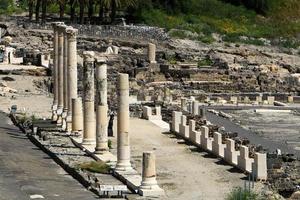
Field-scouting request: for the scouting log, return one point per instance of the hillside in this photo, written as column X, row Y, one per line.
column 270, row 19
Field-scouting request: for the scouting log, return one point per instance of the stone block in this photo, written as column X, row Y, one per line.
column 244, row 162
column 271, row 100
column 259, row 166
column 176, row 117
column 195, row 137
column 217, row 146
column 230, row 154
column 206, row 141
column 195, row 107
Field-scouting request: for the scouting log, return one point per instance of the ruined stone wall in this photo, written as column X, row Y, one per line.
column 144, row 33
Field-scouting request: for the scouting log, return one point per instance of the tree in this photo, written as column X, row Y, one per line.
column 72, row 10
column 30, row 8
column 44, row 10
column 113, row 5
column 37, row 10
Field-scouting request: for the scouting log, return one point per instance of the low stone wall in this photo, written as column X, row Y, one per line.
column 238, row 158
column 143, row 33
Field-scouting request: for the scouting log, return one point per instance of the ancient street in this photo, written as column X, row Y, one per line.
column 27, row 173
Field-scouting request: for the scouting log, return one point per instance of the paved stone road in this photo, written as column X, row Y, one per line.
column 254, row 138
column 28, row 173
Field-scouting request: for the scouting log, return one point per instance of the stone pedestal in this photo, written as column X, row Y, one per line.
column 102, row 109
column 71, row 73
column 55, row 70
column 77, row 115
column 184, row 104
column 176, row 117
column 259, row 167
column 244, row 162
column 149, row 186
column 123, row 163
column 217, row 146
column 152, row 53
column 61, row 30
column 89, row 122
column 195, row 108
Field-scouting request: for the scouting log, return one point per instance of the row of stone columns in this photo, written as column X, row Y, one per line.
column 67, row 109
column 64, row 73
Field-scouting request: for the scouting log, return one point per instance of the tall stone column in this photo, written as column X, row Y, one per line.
column 123, row 147
column 152, row 53
column 89, row 122
column 149, row 186
column 65, row 79
column 72, row 73
column 61, row 29
column 102, row 108
column 77, row 116
column 55, row 70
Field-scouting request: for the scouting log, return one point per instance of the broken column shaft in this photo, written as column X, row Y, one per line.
column 89, row 123
column 152, row 53
column 102, row 108
column 77, row 115
column 123, row 147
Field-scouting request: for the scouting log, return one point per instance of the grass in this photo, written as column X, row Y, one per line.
column 212, row 16
column 94, row 166
column 241, row 194
column 205, row 62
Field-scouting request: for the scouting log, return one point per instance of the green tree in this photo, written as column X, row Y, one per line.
column 113, row 5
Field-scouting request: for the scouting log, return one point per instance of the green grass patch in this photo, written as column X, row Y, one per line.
column 241, row 194
column 94, row 166
column 205, row 62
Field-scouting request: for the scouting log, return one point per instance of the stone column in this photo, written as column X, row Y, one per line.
column 89, row 123
column 77, row 115
column 65, row 79
column 149, row 184
column 151, row 53
column 71, row 73
column 61, row 29
column 123, row 148
column 102, row 109
column 55, row 70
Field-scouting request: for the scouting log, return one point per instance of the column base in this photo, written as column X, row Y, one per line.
column 64, row 120
column 154, row 191
column 88, row 142
column 59, row 116
column 54, row 113
column 69, row 123
column 101, row 150
column 123, row 166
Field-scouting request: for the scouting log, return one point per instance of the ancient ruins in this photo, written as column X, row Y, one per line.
column 166, row 120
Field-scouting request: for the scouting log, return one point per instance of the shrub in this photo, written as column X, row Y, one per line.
column 241, row 194
column 94, row 166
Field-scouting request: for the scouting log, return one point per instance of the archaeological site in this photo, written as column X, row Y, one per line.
column 145, row 100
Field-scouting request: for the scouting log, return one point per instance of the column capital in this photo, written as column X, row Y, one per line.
column 55, row 24
column 89, row 56
column 101, row 60
column 61, row 29
column 71, row 32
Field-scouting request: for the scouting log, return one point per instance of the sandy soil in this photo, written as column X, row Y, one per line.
column 183, row 171
column 33, row 101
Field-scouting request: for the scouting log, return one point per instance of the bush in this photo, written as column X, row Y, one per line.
column 94, row 166
column 241, row 194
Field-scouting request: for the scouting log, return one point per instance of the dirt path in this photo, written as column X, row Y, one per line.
column 183, row 171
